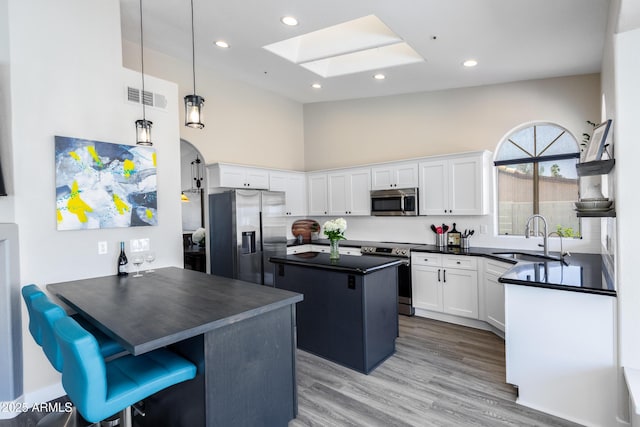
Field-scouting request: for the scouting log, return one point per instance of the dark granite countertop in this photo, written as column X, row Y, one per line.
column 579, row 272
column 363, row 264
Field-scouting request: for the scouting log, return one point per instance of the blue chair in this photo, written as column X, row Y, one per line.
column 100, row 389
column 29, row 294
column 108, row 346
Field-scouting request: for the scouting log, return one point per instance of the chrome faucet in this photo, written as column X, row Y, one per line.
column 545, row 236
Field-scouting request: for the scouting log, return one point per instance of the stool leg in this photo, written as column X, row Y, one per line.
column 126, row 416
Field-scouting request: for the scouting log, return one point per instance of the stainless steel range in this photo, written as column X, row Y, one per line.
column 402, row 251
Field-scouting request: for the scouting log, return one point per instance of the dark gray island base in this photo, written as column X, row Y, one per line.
column 349, row 314
column 240, row 335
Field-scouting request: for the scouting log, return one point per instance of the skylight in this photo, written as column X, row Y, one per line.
column 359, row 45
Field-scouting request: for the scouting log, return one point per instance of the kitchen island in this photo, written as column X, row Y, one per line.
column 350, row 310
column 240, row 335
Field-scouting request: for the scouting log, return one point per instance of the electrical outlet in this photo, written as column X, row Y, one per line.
column 102, row 248
column 139, row 245
column 483, row 229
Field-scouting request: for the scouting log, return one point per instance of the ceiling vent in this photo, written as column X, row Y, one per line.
column 154, row 100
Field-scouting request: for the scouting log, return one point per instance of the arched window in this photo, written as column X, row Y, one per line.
column 536, row 174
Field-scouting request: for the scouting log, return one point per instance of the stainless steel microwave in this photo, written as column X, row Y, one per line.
column 396, row 202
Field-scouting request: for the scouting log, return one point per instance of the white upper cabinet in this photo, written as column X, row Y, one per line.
column 400, row 175
column 349, row 192
column 294, row 186
column 317, row 199
column 456, row 185
column 234, row 176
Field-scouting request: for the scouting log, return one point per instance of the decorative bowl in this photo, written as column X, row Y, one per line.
column 593, row 204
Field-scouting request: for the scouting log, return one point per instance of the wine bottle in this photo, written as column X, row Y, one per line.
column 122, row 261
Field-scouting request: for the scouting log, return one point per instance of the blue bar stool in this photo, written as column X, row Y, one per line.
column 108, row 346
column 100, row 389
column 42, row 314
column 29, row 294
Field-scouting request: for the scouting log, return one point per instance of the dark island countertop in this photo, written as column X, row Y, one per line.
column 363, row 264
column 168, row 305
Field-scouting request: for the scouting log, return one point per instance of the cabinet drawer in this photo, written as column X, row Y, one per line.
column 426, row 258
column 465, row 262
column 298, row 249
column 496, row 268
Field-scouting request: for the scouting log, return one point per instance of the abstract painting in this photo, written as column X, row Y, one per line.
column 104, row 185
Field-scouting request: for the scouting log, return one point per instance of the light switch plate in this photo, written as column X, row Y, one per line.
column 102, row 248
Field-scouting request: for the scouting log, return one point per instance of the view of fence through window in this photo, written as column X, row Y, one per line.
column 536, row 174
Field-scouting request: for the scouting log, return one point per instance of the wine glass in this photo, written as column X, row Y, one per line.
column 150, row 257
column 137, row 261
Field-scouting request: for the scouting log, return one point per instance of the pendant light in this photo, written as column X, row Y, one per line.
column 193, row 103
column 143, row 127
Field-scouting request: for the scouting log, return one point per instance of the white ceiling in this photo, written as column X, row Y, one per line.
column 511, row 39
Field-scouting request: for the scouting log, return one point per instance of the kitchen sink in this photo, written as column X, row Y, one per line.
column 522, row 256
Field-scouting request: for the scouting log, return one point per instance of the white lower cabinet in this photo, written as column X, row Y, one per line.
column 494, row 293
column 445, row 284
column 343, row 250
column 298, row 249
column 561, row 353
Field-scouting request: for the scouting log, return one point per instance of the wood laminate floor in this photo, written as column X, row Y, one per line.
column 441, row 375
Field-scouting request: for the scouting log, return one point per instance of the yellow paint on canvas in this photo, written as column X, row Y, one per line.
column 128, row 168
column 94, row 155
column 76, row 205
column 149, row 214
column 120, row 205
column 59, row 215
column 155, row 161
column 74, row 155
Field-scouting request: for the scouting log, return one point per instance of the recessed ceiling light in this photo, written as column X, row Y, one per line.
column 316, row 86
column 289, row 20
column 470, row 63
column 222, row 43
column 379, row 76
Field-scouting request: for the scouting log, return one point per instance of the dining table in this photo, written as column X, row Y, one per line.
column 240, row 335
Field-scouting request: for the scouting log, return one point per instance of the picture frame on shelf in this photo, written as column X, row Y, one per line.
column 597, row 142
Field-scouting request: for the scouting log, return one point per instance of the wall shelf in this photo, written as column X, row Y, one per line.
column 596, row 214
column 598, row 167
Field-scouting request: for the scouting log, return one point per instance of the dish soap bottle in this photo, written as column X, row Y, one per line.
column 122, row 261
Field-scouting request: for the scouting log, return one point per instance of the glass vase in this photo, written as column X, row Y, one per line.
column 334, row 252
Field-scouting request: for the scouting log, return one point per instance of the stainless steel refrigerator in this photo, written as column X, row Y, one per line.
column 246, row 228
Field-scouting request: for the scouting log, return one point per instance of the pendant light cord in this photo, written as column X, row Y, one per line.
column 193, row 51
column 144, row 117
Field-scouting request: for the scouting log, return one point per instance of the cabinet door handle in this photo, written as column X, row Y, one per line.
column 438, row 275
column 444, row 275
column 458, row 262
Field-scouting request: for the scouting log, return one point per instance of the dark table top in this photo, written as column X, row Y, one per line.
column 168, row 305
column 353, row 264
